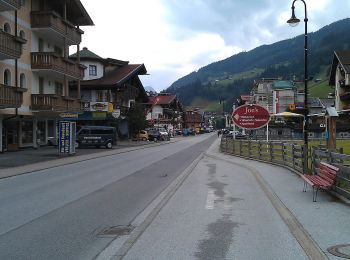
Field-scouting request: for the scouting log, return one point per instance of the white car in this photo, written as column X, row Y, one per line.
column 164, row 134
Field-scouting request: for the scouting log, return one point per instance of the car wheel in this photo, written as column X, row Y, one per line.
column 109, row 145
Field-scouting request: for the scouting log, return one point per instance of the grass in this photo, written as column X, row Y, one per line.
column 226, row 80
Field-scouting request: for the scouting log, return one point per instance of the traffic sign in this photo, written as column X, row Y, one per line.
column 251, row 116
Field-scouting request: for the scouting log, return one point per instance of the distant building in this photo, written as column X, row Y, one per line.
column 340, row 78
column 164, row 110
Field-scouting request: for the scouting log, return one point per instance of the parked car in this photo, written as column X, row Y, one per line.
column 158, row 134
column 141, row 136
column 164, row 134
column 96, row 136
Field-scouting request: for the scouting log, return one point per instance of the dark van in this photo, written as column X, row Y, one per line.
column 96, row 136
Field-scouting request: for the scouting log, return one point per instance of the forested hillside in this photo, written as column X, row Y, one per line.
column 228, row 78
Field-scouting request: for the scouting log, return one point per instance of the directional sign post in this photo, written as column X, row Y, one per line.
column 251, row 116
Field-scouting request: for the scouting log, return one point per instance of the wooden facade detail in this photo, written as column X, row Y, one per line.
column 52, row 61
column 11, row 97
column 9, row 5
column 50, row 20
column 10, row 46
column 52, row 102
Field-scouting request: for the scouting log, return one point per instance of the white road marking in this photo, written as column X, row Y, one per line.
column 210, row 200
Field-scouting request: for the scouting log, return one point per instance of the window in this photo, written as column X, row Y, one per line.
column 58, row 88
column 7, row 28
column 22, row 80
column 99, row 96
column 41, row 85
column 7, row 77
column 92, row 70
column 22, row 34
column 101, row 131
column 58, row 51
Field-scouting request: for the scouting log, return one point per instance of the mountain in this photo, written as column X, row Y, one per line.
column 231, row 77
column 149, row 89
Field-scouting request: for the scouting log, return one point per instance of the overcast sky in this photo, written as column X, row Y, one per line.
column 175, row 37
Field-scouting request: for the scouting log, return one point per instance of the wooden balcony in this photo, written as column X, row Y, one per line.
column 9, row 5
column 55, row 103
column 10, row 46
column 11, row 97
column 50, row 62
column 52, row 26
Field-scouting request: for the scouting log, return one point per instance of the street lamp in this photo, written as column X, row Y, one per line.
column 294, row 21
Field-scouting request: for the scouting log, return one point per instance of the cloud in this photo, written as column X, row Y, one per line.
column 176, row 37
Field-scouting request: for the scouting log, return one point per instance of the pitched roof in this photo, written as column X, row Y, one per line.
column 86, row 54
column 161, row 100
column 117, row 76
column 342, row 57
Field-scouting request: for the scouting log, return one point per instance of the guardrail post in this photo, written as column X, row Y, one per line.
column 240, row 147
column 293, row 156
column 249, row 149
column 305, row 159
column 283, row 160
column 271, row 151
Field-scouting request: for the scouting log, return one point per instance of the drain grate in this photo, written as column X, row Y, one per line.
column 116, row 231
column 340, row 250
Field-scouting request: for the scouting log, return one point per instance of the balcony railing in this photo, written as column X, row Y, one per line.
column 51, row 61
column 11, row 97
column 10, row 5
column 10, row 46
column 53, row 21
column 52, row 102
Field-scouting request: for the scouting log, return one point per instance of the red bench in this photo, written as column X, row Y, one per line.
column 324, row 179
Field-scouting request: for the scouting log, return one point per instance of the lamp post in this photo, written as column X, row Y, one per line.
column 293, row 21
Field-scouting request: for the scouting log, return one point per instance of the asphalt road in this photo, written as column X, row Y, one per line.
column 58, row 213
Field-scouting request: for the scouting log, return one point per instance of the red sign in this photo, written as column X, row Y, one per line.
column 251, row 116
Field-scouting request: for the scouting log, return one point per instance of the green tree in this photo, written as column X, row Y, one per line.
column 137, row 118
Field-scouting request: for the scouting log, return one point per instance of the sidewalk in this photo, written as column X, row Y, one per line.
column 223, row 211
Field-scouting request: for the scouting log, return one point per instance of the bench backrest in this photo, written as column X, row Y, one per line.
column 328, row 172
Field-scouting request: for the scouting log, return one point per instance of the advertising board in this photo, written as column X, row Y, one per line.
column 251, row 116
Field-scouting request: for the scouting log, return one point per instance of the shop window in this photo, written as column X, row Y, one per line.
column 41, row 131
column 22, row 80
column 92, row 70
column 99, row 96
column 7, row 77
column 27, row 132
